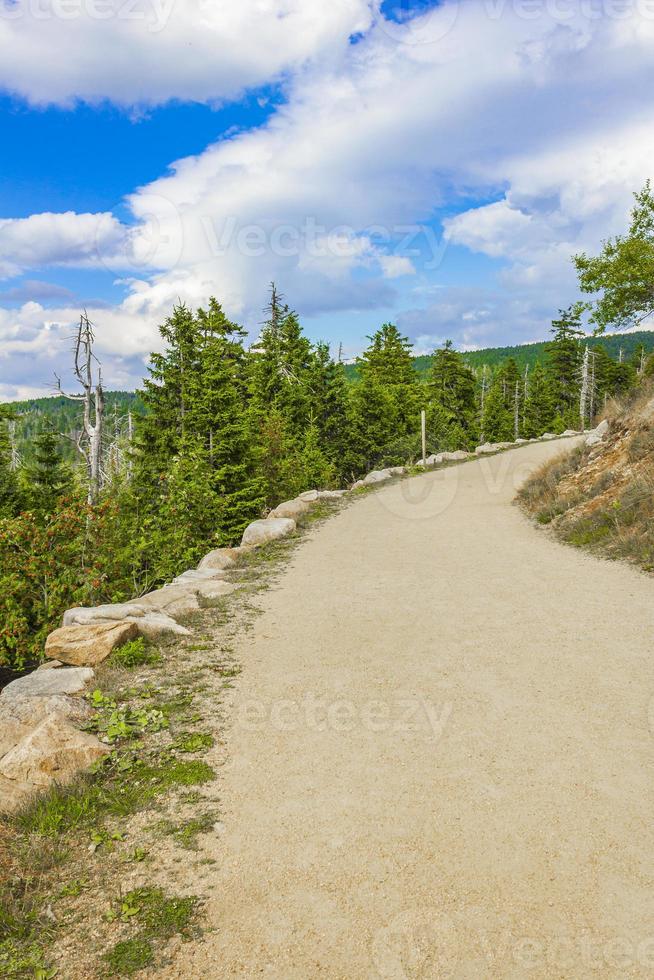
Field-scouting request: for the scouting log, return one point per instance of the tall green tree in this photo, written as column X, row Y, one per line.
column 47, row 477
column 564, row 356
column 388, row 362
column 623, row 272
column 539, row 405
column 220, row 423
column 451, row 406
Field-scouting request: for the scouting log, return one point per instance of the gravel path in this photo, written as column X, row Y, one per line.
column 441, row 756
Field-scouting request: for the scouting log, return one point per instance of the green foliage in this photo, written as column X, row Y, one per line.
column 51, row 562
column 135, row 653
column 47, row 478
column 539, row 405
column 157, row 918
column 623, row 272
column 452, row 404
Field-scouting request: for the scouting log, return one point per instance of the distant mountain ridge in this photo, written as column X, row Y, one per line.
column 529, row 354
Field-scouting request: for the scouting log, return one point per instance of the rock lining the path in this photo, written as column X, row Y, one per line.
column 88, row 645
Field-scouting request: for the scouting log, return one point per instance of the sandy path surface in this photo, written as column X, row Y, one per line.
column 441, row 761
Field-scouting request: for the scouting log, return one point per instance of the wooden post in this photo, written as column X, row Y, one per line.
column 423, row 430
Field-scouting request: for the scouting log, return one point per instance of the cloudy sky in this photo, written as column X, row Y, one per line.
column 431, row 164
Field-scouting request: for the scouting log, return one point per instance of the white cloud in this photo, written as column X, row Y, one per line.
column 58, row 239
column 550, row 118
column 145, row 52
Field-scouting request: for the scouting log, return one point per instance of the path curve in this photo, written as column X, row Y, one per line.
column 441, row 761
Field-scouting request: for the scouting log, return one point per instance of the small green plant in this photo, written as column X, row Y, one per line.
column 193, row 742
column 136, row 653
column 116, row 722
column 158, row 917
column 128, row 957
column 187, row 833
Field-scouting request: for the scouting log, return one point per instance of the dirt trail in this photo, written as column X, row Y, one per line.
column 441, row 755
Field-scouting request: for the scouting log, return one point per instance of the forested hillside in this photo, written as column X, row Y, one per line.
column 621, row 346
column 102, row 499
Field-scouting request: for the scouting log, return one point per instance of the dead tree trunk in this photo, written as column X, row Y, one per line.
column 89, row 443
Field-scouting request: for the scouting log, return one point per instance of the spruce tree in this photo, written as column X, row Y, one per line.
column 564, row 354
column 539, row 407
column 219, row 421
column 388, row 362
column 329, row 404
column 451, row 406
column 47, row 478
column 498, row 419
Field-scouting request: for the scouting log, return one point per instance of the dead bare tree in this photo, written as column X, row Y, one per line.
column 89, row 375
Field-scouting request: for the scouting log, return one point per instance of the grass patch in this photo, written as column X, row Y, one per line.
column 136, row 653
column 157, row 917
column 88, row 803
column 193, row 742
column 187, row 833
column 128, row 957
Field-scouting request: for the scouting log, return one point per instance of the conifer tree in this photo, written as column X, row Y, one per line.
column 373, row 426
column 220, row 423
column 329, row 404
column 539, row 408
column 564, row 354
column 452, row 408
column 47, row 478
column 388, row 362
column 498, row 419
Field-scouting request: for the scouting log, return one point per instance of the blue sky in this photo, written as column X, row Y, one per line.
column 434, row 165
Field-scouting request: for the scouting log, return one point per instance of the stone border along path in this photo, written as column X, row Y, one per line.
column 40, row 741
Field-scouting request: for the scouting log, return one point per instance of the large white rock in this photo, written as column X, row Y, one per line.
column 377, row 476
column 520, row 442
column 571, row 432
column 80, row 615
column 19, row 716
column 53, row 751
column 397, row 470
column 88, row 645
column 602, row 428
column 64, row 680
column 220, row 558
column 330, row 494
column 486, row 447
column 549, row 435
column 261, row 532
column 455, row 457
column 215, row 590
column 199, row 575
column 291, row 508
column 309, row 496
column 149, row 614
column 156, row 624
column 434, row 460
